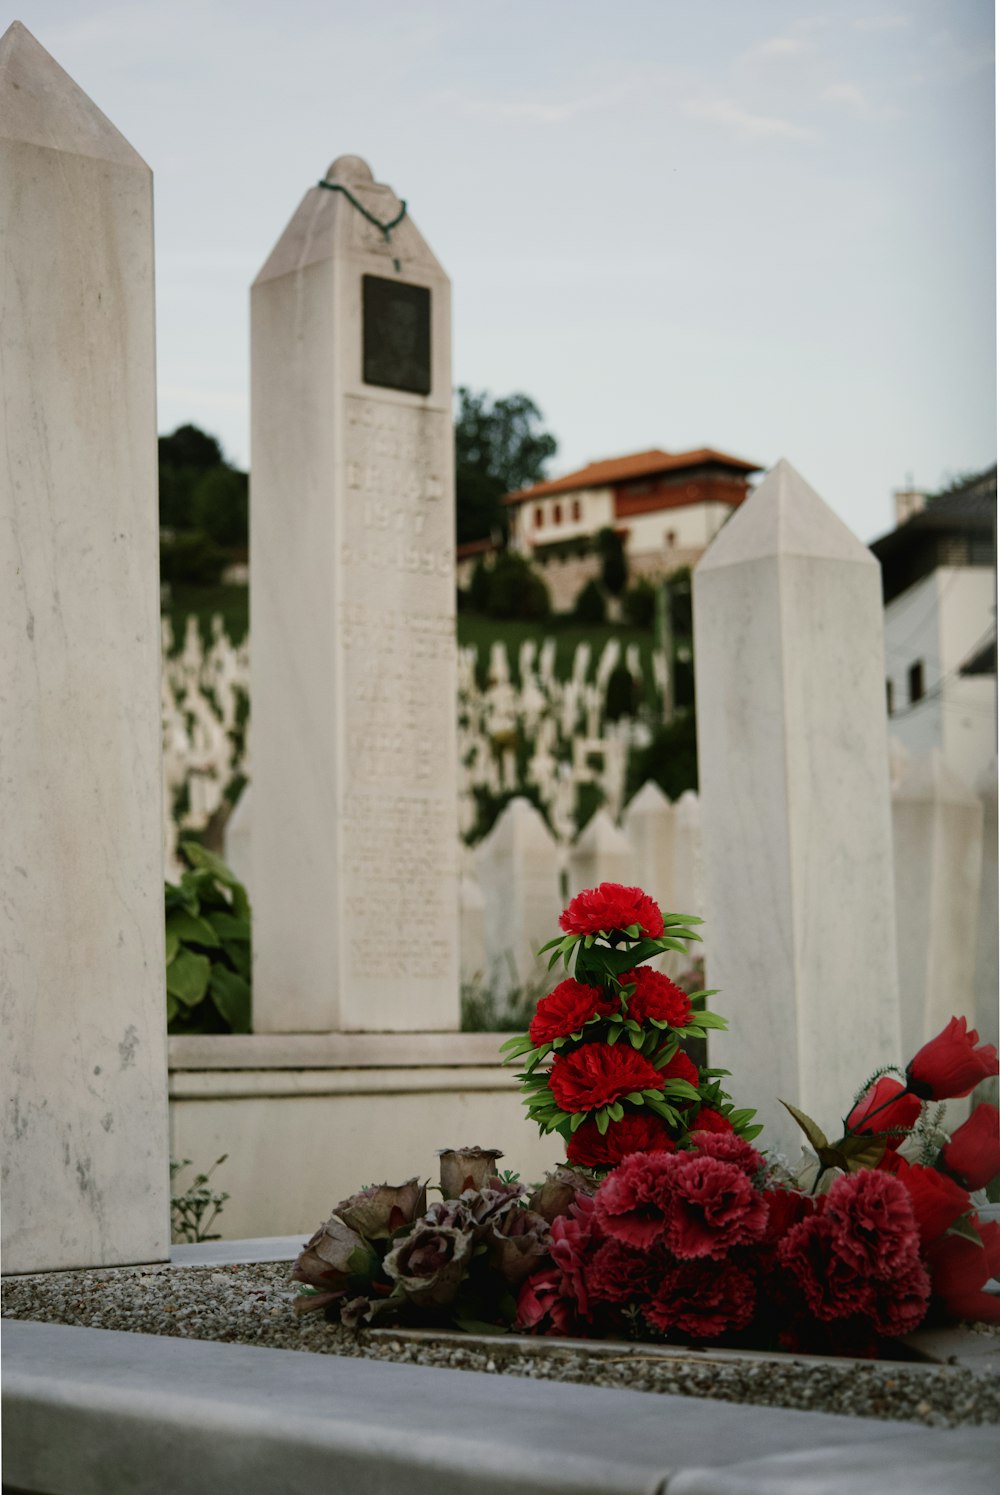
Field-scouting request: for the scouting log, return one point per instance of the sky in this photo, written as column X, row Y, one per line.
column 756, row 225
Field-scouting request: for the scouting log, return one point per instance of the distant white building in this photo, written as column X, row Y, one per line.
column 940, row 589
column 666, row 506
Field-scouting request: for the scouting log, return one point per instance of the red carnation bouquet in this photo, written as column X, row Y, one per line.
column 603, row 1058
column 665, row 1223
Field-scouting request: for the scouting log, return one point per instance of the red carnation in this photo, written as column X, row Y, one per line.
column 785, row 1208
column 632, row 1202
column 596, row 1074
column 575, row 1238
column 713, row 1207
column 541, row 1307
column 899, row 1306
column 680, row 1067
column 973, row 1154
column 937, row 1201
column 658, row 997
column 621, row 1274
column 873, row 1222
column 729, row 1148
column 703, row 1300
column 832, row 1288
column 951, row 1064
column 959, row 1270
column 642, row 1132
column 609, row 907
column 565, row 1010
column 709, row 1120
column 901, row 1110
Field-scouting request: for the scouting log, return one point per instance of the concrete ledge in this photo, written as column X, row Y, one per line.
column 96, row 1412
column 335, row 1050
column 226, row 1084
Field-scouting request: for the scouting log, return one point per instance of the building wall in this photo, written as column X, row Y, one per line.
column 939, row 622
column 561, row 516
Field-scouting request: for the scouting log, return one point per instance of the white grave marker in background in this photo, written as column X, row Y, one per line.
column 355, row 846
column 85, row 1175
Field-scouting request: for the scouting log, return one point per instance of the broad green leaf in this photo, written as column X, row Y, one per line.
column 711, row 1020
column 636, row 1039
column 748, row 1133
column 239, row 954
column 192, row 930
column 231, row 995
column 173, row 945
column 228, row 927
column 602, row 1120
column 817, row 1137
column 635, row 1096
column 683, row 1089
column 670, row 919
column 614, row 1035
column 577, row 1120
column 187, row 977
column 616, row 1111
column 173, row 1007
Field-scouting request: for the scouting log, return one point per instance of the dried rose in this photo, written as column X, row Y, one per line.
column 324, row 1261
column 430, row 1263
column 559, row 1190
column 361, row 1311
column 465, row 1168
column 487, row 1206
column 519, row 1245
column 377, row 1213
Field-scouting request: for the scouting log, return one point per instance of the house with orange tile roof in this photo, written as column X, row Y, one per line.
column 667, row 507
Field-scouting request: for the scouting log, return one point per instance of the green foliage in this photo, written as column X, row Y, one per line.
column 208, row 947
column 590, row 605
column 185, row 457
column 622, row 697
column 639, row 603
column 614, row 564
column 498, row 449
column 484, row 1011
column 219, row 506
column 479, row 587
column 189, row 1217
column 190, row 558
column 671, row 760
column 515, row 589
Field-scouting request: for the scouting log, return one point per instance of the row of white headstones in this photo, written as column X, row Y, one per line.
column 353, row 686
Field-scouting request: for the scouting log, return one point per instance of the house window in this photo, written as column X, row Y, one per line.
column 557, row 514
column 671, row 537
column 888, row 696
column 538, row 518
column 915, row 678
column 576, row 508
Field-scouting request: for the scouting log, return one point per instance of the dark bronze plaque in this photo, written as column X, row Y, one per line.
column 397, row 334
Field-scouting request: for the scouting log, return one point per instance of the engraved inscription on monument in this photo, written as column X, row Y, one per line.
column 396, row 318
column 396, row 628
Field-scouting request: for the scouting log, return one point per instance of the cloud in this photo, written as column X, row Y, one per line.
column 882, row 23
column 849, row 96
column 745, row 122
column 778, row 46
column 534, row 111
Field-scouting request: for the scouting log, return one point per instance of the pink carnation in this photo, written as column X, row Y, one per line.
column 632, row 1202
column 713, row 1207
column 729, row 1148
column 621, row 1274
column 703, row 1300
column 873, row 1223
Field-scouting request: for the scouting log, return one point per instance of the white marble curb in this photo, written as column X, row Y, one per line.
column 98, row 1412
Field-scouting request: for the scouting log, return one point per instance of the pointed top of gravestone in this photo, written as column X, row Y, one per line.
column 41, row 105
column 351, row 170
column 601, row 835
column 650, row 800
column 783, row 516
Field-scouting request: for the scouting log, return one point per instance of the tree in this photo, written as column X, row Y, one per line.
column 515, row 589
column 498, row 449
column 219, row 505
column 590, row 606
column 614, row 564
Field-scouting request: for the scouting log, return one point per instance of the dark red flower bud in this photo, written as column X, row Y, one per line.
column 951, row 1064
column 973, row 1154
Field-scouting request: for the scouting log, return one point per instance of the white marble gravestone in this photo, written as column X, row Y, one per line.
column 355, row 845
column 519, row 866
column 85, row 1170
column 794, row 779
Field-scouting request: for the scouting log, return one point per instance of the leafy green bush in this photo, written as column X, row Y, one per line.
column 189, row 1217
column 614, row 562
column 190, row 558
column 208, row 947
column 639, row 604
column 590, row 606
column 515, row 589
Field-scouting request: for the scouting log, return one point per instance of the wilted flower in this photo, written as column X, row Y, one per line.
column 430, row 1263
column 465, row 1168
column 560, row 1189
column 520, row 1243
column 378, row 1212
column 324, row 1261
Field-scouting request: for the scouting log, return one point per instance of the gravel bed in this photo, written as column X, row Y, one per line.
column 253, row 1305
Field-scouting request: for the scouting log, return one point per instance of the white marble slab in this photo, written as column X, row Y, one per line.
column 85, row 1179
